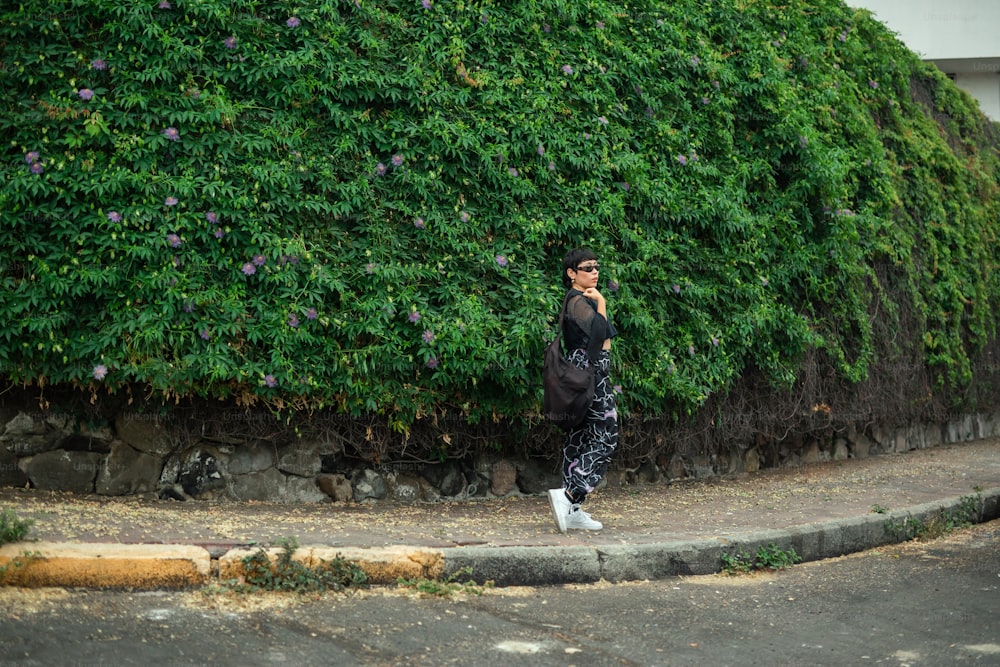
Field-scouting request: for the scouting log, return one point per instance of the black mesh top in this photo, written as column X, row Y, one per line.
column 583, row 324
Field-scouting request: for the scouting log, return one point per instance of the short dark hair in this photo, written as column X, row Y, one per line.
column 572, row 260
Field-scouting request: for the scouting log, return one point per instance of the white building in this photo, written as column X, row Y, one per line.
column 962, row 37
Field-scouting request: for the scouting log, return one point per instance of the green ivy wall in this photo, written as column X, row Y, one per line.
column 361, row 206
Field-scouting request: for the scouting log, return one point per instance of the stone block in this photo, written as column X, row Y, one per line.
column 503, row 478
column 10, row 472
column 148, row 433
column 252, row 457
column 405, row 488
column 336, row 486
column 300, row 458
column 126, row 471
column 369, row 485
column 840, row 450
column 60, row 470
column 811, row 452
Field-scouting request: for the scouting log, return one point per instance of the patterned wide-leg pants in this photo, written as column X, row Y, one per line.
column 588, row 448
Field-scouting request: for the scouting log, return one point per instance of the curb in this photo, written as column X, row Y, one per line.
column 542, row 566
column 141, row 566
column 89, row 565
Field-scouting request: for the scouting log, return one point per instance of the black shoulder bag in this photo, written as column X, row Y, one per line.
column 569, row 390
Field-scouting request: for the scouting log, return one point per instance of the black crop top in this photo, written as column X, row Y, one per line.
column 583, row 323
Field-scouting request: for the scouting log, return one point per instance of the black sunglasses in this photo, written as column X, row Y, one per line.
column 589, row 268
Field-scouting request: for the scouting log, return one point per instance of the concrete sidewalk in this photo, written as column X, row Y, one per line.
column 651, row 531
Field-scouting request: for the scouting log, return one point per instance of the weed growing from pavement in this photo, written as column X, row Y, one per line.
column 287, row 575
column 968, row 512
column 450, row 586
column 12, row 528
column 17, row 562
column 770, row 557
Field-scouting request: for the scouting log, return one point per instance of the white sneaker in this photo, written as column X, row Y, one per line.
column 569, row 516
column 561, row 507
column 580, row 520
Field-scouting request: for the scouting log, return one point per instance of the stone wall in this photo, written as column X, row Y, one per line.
column 142, row 454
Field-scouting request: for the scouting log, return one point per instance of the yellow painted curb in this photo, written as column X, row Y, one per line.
column 147, row 566
column 384, row 565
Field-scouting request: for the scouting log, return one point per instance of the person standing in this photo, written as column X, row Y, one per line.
column 588, row 447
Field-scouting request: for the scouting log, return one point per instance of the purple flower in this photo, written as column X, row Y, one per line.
column 691, row 350
column 98, row 64
column 567, row 69
column 695, row 60
column 682, row 159
column 370, row 268
column 171, row 133
column 426, row 4
column 188, row 306
column 715, row 341
column 174, row 240
column 380, row 169
column 100, row 371
column 397, row 160
column 613, row 285
column 617, row 389
column 428, row 336
column 249, row 269
column 872, row 83
column 552, row 165
column 599, row 25
column 36, row 168
column 501, row 261
column 649, row 111
column 432, row 362
column 541, row 149
column 763, row 281
column 205, row 334
column 114, row 216
column 164, row 4
column 170, row 201
column 311, row 314
column 602, row 120
column 86, row 94
column 414, row 316
column 677, row 289
column 230, row 42
column 293, row 320
column 212, row 217
column 270, row 381
column 464, row 217
column 512, row 171
column 258, row 260
column 219, row 233
column 419, row 223
column 31, row 156
column 293, row 22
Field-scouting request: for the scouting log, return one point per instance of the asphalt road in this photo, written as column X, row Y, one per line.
column 922, row 603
